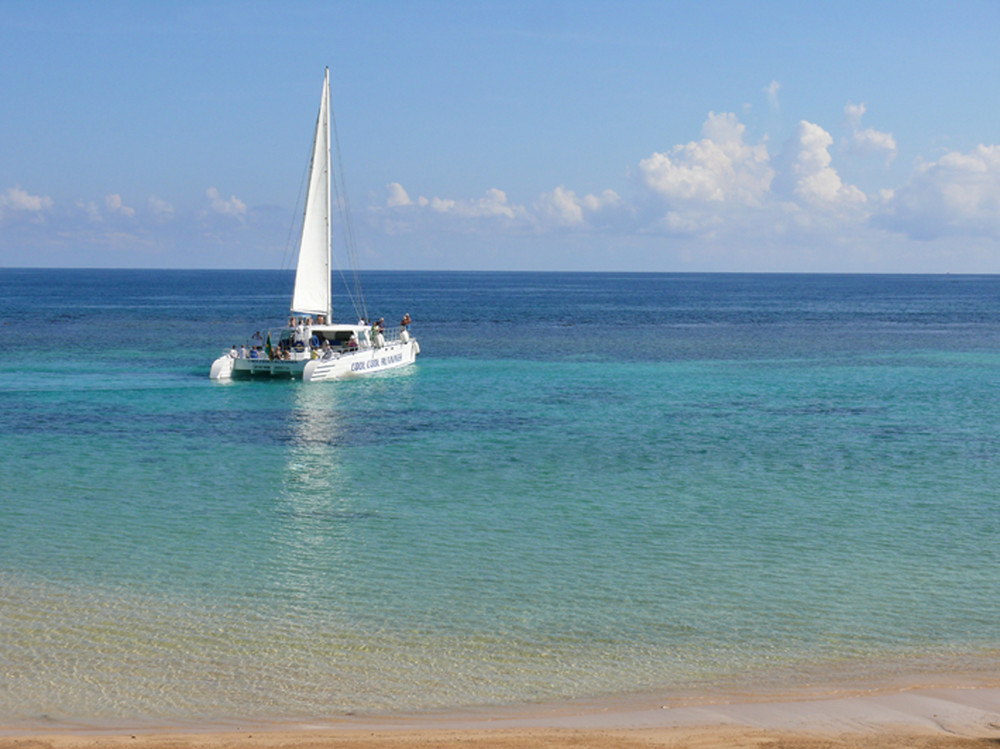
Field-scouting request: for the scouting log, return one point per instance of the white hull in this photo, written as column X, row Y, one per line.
column 336, row 366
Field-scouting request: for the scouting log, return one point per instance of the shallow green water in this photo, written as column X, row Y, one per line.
column 588, row 484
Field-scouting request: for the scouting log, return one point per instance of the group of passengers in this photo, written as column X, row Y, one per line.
column 304, row 339
column 249, row 352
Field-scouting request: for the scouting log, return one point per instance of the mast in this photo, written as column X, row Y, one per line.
column 329, row 238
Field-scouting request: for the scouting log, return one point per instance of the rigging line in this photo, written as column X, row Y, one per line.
column 343, row 205
column 340, row 270
column 340, row 185
column 335, row 256
column 286, row 260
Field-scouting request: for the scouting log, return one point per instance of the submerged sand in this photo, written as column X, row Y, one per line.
column 929, row 718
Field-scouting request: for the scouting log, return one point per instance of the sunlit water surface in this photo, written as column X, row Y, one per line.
column 589, row 484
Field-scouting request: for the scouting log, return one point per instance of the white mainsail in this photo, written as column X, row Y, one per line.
column 312, row 276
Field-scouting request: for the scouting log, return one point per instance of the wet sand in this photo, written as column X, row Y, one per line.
column 929, row 718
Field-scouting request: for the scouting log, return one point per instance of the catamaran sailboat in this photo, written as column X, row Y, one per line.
column 310, row 347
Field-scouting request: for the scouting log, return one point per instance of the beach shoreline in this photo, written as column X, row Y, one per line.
column 942, row 716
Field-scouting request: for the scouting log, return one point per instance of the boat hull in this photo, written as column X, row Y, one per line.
column 335, row 367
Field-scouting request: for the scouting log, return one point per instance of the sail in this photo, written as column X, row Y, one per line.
column 312, row 277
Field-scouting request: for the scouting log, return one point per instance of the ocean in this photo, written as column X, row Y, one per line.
column 588, row 485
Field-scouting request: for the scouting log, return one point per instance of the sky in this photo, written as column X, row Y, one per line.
column 670, row 136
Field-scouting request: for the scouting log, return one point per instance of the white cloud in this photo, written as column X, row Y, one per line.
column 704, row 188
column 560, row 207
column 17, row 200
column 870, row 139
column 690, row 223
column 958, row 195
column 804, row 173
column 115, row 205
column 397, row 196
column 233, row 207
column 854, row 113
column 493, row 205
column 160, row 207
column 563, row 207
column 722, row 191
column 91, row 210
column 867, row 140
column 771, row 90
column 606, row 199
column 720, row 168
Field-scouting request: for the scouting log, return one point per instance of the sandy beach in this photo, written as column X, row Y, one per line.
column 935, row 718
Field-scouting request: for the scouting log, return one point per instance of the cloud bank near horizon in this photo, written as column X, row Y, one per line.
column 722, row 183
column 718, row 187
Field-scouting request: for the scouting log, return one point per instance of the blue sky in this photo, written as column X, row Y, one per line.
column 655, row 136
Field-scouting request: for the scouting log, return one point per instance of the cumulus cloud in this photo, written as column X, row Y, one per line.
column 561, row 207
column 695, row 189
column 493, row 205
column 874, row 140
column 397, row 196
column 957, row 195
column 854, row 112
column 20, row 201
column 771, row 90
column 91, row 210
column 720, row 168
column 722, row 187
column 804, row 171
column 867, row 140
column 115, row 205
column 233, row 207
column 160, row 208
column 564, row 207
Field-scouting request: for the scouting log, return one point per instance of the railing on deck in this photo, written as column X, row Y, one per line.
column 390, row 336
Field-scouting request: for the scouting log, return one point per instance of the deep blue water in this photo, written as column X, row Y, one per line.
column 588, row 484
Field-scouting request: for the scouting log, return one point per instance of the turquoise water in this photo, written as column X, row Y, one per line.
column 589, row 484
